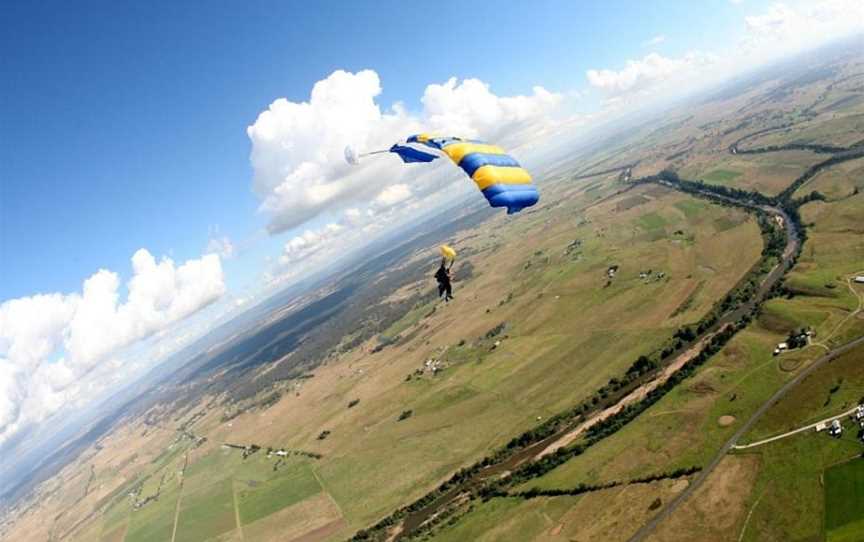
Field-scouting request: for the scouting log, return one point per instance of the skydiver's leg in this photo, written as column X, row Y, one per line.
column 441, row 289
column 449, row 292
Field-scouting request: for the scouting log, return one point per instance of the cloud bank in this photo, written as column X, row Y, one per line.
column 57, row 349
column 305, row 185
column 646, row 72
column 781, row 30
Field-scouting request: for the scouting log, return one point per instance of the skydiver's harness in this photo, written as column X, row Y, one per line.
column 442, row 275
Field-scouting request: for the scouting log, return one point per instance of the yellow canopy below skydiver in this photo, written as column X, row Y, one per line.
column 448, row 253
column 498, row 175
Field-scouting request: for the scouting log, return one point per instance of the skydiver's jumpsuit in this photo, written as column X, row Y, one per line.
column 444, row 287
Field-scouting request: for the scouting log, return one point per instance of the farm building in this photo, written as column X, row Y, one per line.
column 859, row 279
column 836, row 429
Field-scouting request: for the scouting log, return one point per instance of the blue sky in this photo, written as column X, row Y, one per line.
column 124, row 123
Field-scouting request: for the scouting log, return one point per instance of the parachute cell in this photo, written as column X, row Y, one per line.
column 410, row 154
column 498, row 175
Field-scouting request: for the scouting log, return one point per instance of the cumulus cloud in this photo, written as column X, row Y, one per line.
column 777, row 21
column 780, row 30
column 393, row 194
column 50, row 342
column 309, row 242
column 787, row 28
column 470, row 109
column 297, row 147
column 648, row 71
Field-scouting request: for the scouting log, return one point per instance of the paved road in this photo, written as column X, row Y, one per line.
column 795, row 431
column 649, row 527
column 792, row 243
column 822, row 344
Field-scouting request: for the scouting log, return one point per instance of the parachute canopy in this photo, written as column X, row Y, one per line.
column 498, row 175
column 448, row 252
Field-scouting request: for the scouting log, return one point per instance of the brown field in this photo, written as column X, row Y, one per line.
column 317, row 518
column 717, row 509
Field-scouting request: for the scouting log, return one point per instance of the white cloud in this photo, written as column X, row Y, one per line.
column 297, row 148
column 775, row 22
column 52, row 345
column 656, row 40
column 392, row 195
column 308, row 243
column 649, row 71
column 780, row 30
column 470, row 109
column 788, row 28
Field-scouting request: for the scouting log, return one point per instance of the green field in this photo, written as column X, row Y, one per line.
column 844, row 501
column 787, row 498
column 206, row 513
column 508, row 519
column 721, row 176
column 768, row 173
column 260, row 499
column 155, row 521
column 692, row 208
column 652, row 221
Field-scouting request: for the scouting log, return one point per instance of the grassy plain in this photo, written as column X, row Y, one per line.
column 207, row 512
column 560, row 319
column 844, row 501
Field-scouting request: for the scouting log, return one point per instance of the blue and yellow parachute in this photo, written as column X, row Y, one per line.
column 498, row 175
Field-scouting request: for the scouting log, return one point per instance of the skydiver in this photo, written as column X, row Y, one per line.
column 443, row 277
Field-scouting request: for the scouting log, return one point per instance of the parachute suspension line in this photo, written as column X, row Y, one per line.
column 373, row 152
column 353, row 157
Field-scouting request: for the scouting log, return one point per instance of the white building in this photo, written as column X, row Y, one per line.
column 859, row 279
column 836, row 429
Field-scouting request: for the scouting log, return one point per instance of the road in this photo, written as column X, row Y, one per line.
column 179, row 497
column 673, row 505
column 849, row 282
column 794, row 431
column 792, row 242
